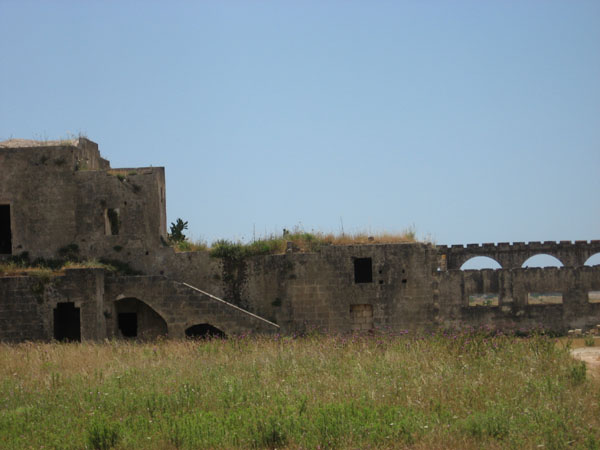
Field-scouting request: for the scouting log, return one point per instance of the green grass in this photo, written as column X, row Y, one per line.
column 442, row 391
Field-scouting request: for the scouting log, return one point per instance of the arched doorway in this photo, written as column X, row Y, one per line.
column 204, row 331
column 136, row 320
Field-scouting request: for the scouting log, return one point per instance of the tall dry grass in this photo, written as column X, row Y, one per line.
column 441, row 391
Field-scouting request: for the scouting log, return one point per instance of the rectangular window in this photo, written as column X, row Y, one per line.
column 594, row 296
column 484, row 300
column 5, row 231
column 544, row 298
column 67, row 322
column 363, row 270
column 361, row 317
column 111, row 221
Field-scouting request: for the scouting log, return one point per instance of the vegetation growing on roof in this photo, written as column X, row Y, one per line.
column 21, row 265
column 299, row 240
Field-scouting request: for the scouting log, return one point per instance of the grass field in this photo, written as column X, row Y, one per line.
column 442, row 391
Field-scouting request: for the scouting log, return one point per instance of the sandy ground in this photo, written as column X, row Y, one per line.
column 591, row 357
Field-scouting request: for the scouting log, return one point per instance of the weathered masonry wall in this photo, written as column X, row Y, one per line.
column 406, row 289
column 64, row 196
column 96, row 305
column 27, row 304
column 62, row 200
column 512, row 256
column 513, row 308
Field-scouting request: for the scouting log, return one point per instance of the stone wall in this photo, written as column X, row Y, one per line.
column 99, row 300
column 27, row 304
column 513, row 255
column 408, row 290
column 59, row 196
column 65, row 196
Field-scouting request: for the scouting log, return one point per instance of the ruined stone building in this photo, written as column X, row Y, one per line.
column 62, row 200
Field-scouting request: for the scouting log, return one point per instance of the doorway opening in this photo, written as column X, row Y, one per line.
column 5, row 231
column 128, row 324
column 67, row 326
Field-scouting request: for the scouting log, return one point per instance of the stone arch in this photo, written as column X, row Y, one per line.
column 542, row 260
column 593, row 260
column 204, row 331
column 135, row 319
column 479, row 262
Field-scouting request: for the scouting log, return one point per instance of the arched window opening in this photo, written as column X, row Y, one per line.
column 542, row 260
column 204, row 331
column 136, row 320
column 480, row 262
column 593, row 260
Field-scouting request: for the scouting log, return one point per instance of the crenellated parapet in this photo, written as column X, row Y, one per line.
column 513, row 255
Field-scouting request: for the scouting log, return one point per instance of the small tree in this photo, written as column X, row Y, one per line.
column 177, row 228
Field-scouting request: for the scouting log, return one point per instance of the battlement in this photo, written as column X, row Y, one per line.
column 513, row 255
column 490, row 246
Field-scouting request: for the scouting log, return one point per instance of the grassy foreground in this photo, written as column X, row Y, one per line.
column 443, row 391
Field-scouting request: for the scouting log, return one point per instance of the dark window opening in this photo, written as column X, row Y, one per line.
column 111, row 221
column 363, row 270
column 5, row 232
column 204, row 331
column 128, row 324
column 67, row 325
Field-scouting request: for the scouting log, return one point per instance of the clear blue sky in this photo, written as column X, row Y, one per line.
column 473, row 121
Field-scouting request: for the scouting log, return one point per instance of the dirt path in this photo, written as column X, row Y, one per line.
column 591, row 357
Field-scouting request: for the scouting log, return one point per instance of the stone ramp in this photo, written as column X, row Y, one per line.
column 236, row 310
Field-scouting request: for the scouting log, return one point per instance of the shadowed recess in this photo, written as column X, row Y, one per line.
column 204, row 331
